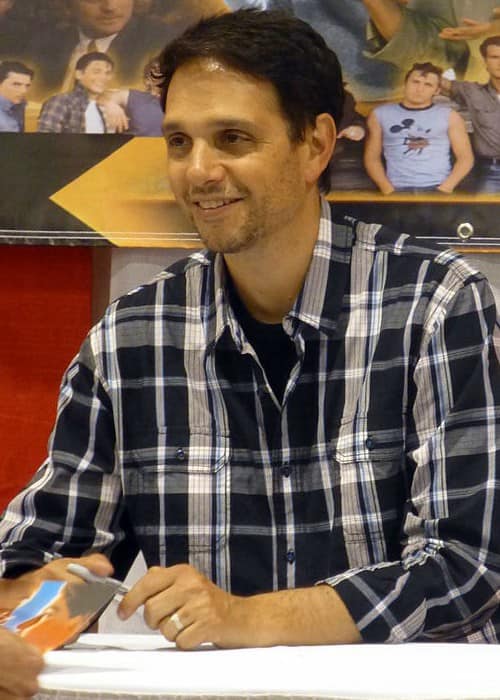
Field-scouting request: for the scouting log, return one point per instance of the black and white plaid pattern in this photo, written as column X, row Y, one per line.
column 377, row 474
column 65, row 113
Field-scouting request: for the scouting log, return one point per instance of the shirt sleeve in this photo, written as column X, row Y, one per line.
column 446, row 584
column 72, row 504
column 53, row 116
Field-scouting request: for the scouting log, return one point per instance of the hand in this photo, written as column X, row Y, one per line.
column 444, row 189
column 470, row 29
column 57, row 570
column 116, row 119
column 20, row 664
column 205, row 611
column 353, row 133
column 387, row 190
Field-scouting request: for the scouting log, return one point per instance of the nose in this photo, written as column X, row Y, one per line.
column 108, row 5
column 204, row 165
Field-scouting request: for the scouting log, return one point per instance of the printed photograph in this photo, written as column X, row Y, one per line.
column 57, row 612
column 81, row 117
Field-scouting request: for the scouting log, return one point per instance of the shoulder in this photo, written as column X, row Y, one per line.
column 467, row 88
column 170, row 287
column 413, row 258
column 57, row 101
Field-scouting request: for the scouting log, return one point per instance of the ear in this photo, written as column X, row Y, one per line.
column 320, row 140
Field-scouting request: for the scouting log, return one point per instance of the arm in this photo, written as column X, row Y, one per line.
column 113, row 104
column 373, row 156
column 71, row 505
column 53, row 116
column 302, row 616
column 472, row 29
column 386, row 15
column 20, row 664
column 462, row 150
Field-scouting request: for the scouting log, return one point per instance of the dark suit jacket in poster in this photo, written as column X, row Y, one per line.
column 141, row 39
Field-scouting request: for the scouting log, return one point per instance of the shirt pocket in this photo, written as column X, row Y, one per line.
column 178, row 491
column 370, row 475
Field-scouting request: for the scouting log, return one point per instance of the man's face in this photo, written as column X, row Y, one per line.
column 231, row 164
column 95, row 77
column 98, row 18
column 15, row 87
column 492, row 61
column 420, row 89
column 5, row 6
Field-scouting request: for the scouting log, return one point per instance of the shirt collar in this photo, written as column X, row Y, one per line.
column 5, row 104
column 103, row 43
column 319, row 302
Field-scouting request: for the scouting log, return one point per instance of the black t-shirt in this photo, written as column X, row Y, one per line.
column 272, row 345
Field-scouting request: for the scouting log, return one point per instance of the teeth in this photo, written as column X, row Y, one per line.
column 215, row 204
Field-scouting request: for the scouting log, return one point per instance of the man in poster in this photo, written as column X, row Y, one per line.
column 416, row 138
column 78, row 111
column 15, row 82
column 483, row 104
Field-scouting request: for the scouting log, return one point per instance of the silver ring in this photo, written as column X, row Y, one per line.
column 177, row 622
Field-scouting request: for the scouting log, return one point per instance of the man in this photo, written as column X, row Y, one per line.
column 401, row 33
column 15, row 82
column 78, row 111
column 108, row 26
column 483, row 105
column 295, row 426
column 415, row 138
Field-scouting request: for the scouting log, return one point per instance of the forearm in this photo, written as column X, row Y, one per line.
column 294, row 617
column 376, row 171
column 386, row 15
column 457, row 174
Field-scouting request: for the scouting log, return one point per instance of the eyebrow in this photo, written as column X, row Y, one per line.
column 171, row 126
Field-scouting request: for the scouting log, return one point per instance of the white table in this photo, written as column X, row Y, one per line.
column 362, row 672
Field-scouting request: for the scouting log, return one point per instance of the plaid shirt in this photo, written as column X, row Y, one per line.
column 377, row 474
column 65, row 113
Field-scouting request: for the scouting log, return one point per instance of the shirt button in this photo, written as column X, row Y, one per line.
column 285, row 470
column 290, row 556
column 369, row 443
column 180, row 454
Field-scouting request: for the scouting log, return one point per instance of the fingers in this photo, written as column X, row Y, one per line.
column 183, row 604
column 20, row 664
column 155, row 581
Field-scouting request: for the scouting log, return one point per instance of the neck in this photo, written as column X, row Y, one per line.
column 269, row 277
column 409, row 105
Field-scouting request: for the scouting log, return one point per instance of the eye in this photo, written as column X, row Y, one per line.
column 234, row 141
column 177, row 144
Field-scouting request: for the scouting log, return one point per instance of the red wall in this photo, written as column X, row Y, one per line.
column 45, row 312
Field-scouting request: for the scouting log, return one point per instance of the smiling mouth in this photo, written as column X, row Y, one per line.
column 215, row 203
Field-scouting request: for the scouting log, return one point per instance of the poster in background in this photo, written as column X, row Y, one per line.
column 63, row 185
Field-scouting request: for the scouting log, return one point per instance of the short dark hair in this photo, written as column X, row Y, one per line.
column 273, row 46
column 490, row 41
column 7, row 67
column 425, row 68
column 87, row 58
